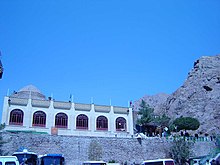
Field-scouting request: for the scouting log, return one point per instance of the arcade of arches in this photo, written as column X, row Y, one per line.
column 61, row 120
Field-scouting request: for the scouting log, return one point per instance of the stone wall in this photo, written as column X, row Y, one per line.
column 75, row 149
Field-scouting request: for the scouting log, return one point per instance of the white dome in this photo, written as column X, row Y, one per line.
column 30, row 88
column 29, row 91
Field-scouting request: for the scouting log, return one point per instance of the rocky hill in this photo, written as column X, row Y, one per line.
column 199, row 96
column 155, row 101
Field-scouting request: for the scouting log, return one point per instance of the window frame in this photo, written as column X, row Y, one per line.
column 121, row 124
column 16, row 117
column 61, row 120
column 82, row 122
column 39, row 120
column 102, row 123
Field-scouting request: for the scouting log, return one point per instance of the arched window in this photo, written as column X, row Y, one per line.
column 16, row 117
column 82, row 122
column 39, row 119
column 61, row 120
column 120, row 124
column 102, row 123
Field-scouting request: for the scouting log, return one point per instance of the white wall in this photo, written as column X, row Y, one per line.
column 72, row 113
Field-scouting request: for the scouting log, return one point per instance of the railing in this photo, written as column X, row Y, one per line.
column 81, row 128
column 191, row 138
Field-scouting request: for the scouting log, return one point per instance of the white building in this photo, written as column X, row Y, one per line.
column 29, row 110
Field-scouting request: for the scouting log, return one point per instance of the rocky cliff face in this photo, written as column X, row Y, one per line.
column 154, row 101
column 199, row 96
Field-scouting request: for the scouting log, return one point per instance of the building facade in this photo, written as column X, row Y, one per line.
column 29, row 110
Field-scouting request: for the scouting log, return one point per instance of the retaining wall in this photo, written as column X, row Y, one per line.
column 76, row 149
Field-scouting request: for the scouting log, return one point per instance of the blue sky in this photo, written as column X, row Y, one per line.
column 118, row 49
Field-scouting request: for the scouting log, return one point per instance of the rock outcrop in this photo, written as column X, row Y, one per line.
column 199, row 96
column 154, row 101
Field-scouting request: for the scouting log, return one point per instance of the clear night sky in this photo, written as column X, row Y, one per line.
column 118, row 49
